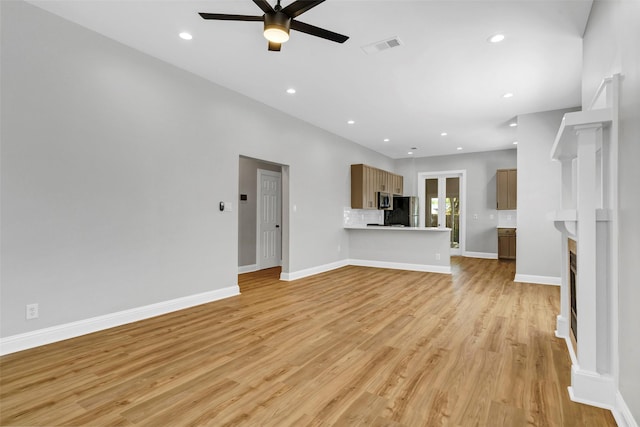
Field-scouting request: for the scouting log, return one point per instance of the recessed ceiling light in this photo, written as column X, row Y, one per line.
column 443, row 134
column 507, row 95
column 515, row 142
column 291, row 91
column 410, row 152
column 185, row 36
column 459, row 148
column 350, row 122
column 496, row 38
column 514, row 124
column 386, row 140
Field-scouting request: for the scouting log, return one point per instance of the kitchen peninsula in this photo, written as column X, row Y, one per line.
column 404, row 248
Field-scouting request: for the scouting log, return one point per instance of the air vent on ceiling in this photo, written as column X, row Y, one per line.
column 381, row 45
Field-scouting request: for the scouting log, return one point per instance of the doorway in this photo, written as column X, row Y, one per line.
column 263, row 217
column 442, row 204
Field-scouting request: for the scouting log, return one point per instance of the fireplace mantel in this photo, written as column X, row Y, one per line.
column 586, row 145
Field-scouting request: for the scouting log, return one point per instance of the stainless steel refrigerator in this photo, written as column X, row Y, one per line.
column 405, row 212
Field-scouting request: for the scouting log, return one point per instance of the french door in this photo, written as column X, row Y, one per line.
column 441, row 198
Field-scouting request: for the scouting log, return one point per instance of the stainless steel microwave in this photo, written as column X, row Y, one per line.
column 384, row 201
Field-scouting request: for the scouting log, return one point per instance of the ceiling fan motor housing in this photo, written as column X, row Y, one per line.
column 279, row 22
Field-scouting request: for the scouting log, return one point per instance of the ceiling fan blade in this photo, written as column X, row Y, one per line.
column 318, row 32
column 226, row 17
column 299, row 7
column 264, row 5
column 274, row 47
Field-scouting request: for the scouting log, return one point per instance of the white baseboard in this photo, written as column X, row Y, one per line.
column 444, row 269
column 622, row 414
column 313, row 270
column 483, row 255
column 53, row 334
column 592, row 388
column 539, row 280
column 247, row 268
column 562, row 327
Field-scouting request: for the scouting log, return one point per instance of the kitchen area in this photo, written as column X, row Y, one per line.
column 391, row 230
column 384, row 228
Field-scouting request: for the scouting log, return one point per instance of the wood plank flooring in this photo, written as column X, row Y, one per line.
column 355, row 346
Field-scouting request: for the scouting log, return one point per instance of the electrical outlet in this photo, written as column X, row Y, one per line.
column 475, row 216
column 437, row 257
column 491, row 216
column 32, row 311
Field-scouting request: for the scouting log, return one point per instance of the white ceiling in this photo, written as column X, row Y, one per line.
column 445, row 77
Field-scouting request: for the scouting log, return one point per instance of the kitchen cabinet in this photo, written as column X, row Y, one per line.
column 507, row 243
column 363, row 187
column 507, row 189
column 397, row 182
column 366, row 181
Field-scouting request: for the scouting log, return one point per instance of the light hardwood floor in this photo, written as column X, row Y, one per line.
column 355, row 346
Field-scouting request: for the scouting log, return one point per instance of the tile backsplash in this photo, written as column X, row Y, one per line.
column 355, row 217
column 507, row 218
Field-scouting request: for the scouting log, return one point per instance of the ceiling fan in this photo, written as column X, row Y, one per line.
column 278, row 21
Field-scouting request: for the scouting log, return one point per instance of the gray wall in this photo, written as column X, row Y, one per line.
column 247, row 215
column 539, row 189
column 481, row 189
column 113, row 164
column 611, row 46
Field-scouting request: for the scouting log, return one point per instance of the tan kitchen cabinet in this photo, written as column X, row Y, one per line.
column 507, row 243
column 507, row 189
column 367, row 181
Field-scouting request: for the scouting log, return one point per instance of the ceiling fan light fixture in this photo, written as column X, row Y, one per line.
column 276, row 27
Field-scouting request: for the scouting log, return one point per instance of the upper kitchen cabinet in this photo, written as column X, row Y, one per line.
column 507, row 186
column 363, row 187
column 397, row 184
column 366, row 181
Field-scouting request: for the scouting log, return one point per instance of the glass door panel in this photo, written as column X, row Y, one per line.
column 432, row 200
column 453, row 210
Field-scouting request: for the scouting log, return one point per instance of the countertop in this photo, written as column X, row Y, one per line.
column 507, row 226
column 383, row 227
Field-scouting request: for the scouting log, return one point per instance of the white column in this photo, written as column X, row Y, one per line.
column 588, row 137
column 566, row 202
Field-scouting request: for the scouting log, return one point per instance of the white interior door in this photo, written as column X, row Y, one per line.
column 269, row 242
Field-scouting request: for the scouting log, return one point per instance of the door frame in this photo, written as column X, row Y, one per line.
column 462, row 174
column 260, row 173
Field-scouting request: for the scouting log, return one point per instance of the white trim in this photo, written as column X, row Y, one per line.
column 562, row 327
column 247, row 268
column 444, row 269
column 53, row 334
column 483, row 255
column 622, row 414
column 539, row 280
column 313, row 270
column 592, row 388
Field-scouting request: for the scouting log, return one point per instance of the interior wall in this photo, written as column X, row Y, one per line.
column 610, row 47
column 247, row 210
column 539, row 191
column 112, row 167
column 481, row 234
